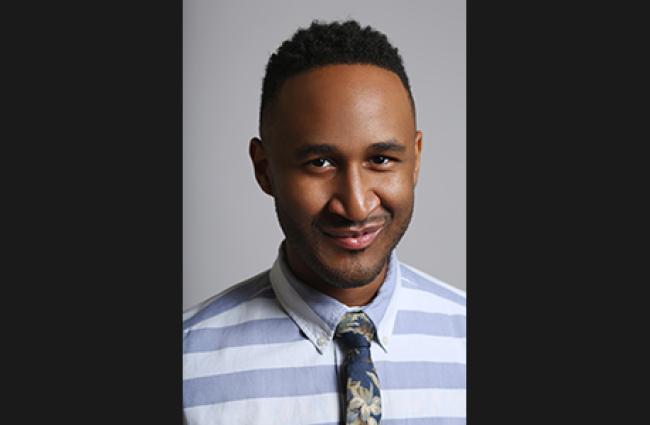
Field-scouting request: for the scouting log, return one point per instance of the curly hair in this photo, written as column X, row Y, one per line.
column 329, row 44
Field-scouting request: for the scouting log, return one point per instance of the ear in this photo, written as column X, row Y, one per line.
column 260, row 165
column 418, row 151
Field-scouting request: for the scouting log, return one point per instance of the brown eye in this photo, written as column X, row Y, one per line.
column 320, row 162
column 380, row 160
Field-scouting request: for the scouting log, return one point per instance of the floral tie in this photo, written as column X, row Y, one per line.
column 356, row 331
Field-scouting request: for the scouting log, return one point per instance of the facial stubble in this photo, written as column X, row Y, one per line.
column 357, row 276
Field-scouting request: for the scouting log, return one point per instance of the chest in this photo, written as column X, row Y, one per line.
column 292, row 383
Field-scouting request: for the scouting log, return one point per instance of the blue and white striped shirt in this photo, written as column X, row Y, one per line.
column 262, row 352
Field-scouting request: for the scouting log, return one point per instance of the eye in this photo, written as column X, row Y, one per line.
column 320, row 162
column 380, row 160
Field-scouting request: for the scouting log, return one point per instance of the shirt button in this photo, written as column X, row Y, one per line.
column 322, row 341
column 385, row 339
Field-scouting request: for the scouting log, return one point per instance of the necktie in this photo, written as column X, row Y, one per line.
column 363, row 403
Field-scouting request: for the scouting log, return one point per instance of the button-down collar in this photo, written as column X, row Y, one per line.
column 318, row 314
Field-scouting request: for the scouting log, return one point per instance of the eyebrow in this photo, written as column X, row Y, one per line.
column 321, row 149
column 390, row 145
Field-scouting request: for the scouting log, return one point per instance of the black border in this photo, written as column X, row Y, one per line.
column 554, row 213
column 93, row 325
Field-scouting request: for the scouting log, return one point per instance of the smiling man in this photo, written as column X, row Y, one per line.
column 338, row 330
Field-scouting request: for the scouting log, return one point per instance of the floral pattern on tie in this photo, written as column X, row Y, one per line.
column 356, row 331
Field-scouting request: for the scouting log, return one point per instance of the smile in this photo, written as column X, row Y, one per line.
column 353, row 239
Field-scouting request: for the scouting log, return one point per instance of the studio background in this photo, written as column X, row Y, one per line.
column 230, row 230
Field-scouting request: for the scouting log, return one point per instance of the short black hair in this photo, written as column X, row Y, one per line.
column 329, row 44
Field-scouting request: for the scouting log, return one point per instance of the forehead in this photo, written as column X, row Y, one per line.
column 342, row 103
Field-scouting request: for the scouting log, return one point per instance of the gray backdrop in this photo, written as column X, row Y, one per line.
column 230, row 231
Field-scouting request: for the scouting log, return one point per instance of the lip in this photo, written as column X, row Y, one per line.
column 353, row 239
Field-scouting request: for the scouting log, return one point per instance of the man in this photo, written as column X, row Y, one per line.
column 338, row 330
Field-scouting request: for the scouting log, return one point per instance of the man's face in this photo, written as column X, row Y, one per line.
column 340, row 156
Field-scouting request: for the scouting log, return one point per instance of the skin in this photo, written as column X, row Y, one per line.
column 349, row 181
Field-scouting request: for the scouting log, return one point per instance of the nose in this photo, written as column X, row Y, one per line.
column 355, row 197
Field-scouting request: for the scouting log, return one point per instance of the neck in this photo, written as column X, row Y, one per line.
column 351, row 297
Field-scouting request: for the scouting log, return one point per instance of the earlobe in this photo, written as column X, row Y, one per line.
column 260, row 165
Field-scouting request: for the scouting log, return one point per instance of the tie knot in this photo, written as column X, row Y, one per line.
column 355, row 330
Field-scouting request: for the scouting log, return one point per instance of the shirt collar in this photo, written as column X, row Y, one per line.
column 318, row 314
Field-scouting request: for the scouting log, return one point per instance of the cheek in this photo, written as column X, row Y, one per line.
column 396, row 193
column 302, row 197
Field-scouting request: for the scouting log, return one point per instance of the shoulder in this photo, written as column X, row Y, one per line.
column 429, row 305
column 219, row 309
column 219, row 332
column 418, row 280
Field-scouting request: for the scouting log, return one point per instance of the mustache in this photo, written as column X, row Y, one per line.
column 330, row 220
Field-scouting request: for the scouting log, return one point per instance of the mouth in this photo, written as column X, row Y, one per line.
column 353, row 239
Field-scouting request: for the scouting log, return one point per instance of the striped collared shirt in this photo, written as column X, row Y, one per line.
column 262, row 352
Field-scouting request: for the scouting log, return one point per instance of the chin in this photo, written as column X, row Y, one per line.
column 353, row 271
column 344, row 280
